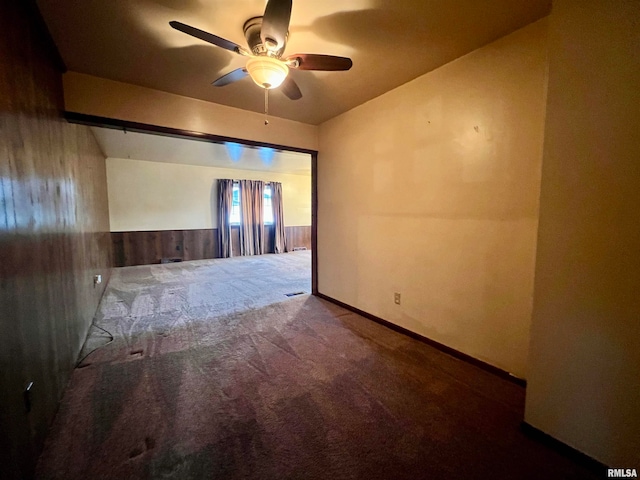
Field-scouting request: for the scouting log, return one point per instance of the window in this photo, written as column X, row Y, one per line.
column 235, row 205
column 268, row 208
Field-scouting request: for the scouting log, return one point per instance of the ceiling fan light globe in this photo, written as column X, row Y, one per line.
column 267, row 72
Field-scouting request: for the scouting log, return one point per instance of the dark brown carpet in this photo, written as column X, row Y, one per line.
column 301, row 389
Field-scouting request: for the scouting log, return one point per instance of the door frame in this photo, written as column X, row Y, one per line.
column 114, row 123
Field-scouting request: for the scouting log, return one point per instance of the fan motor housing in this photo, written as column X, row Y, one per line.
column 252, row 29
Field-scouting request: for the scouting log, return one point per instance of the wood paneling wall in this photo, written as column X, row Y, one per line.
column 146, row 248
column 54, row 236
column 298, row 237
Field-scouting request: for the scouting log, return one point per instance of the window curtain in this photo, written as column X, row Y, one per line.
column 251, row 217
column 225, row 201
column 280, row 239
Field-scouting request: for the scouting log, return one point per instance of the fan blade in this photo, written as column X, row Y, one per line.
column 275, row 24
column 209, row 37
column 233, row 76
column 312, row 61
column 290, row 88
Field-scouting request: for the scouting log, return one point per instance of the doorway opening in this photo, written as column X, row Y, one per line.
column 163, row 192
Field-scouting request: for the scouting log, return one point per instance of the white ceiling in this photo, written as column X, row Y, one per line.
column 157, row 148
column 390, row 42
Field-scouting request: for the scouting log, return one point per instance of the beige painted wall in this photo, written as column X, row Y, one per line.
column 584, row 386
column 431, row 190
column 166, row 196
column 107, row 98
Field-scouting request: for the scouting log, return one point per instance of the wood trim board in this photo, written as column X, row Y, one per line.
column 314, row 223
column 118, row 124
column 597, row 467
column 443, row 348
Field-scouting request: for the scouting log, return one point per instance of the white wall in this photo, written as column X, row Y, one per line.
column 584, row 386
column 431, row 190
column 165, row 196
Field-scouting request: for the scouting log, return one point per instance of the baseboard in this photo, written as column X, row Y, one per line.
column 565, row 450
column 443, row 348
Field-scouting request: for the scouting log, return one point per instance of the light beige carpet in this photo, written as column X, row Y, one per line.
column 159, row 299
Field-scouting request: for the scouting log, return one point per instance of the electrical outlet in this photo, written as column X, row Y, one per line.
column 97, row 279
column 396, row 298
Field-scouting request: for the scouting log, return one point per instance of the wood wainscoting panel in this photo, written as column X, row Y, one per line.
column 171, row 244
column 200, row 244
column 141, row 248
column 54, row 234
column 235, row 241
column 149, row 247
column 117, row 249
column 298, row 237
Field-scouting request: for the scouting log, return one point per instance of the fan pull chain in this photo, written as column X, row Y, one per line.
column 266, row 105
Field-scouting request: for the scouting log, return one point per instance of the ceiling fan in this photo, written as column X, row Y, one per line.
column 267, row 39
